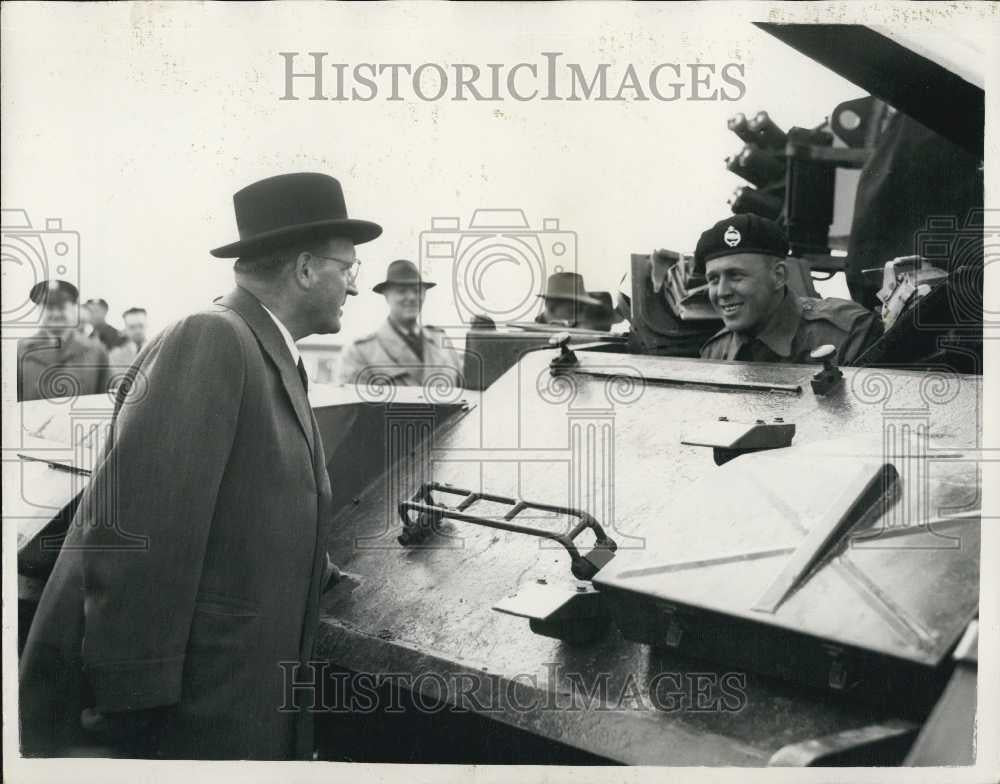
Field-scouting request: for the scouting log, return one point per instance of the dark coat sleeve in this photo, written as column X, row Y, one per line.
column 866, row 331
column 148, row 512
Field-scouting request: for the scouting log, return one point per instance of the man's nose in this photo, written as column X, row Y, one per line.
column 352, row 289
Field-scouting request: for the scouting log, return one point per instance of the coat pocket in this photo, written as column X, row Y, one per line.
column 220, row 604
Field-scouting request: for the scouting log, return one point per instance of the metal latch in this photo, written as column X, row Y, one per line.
column 830, row 376
column 836, row 678
column 675, row 629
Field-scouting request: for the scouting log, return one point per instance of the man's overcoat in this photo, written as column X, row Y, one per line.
column 192, row 572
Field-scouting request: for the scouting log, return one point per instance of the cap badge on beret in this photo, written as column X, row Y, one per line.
column 732, row 236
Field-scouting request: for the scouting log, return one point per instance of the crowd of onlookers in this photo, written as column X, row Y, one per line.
column 75, row 351
column 122, row 345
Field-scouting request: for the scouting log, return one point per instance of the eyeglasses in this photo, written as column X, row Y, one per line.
column 351, row 268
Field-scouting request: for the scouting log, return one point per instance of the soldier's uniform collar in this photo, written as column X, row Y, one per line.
column 416, row 334
column 780, row 330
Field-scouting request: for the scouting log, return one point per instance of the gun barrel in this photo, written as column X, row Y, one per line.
column 766, row 133
column 757, row 166
column 738, row 125
column 746, row 199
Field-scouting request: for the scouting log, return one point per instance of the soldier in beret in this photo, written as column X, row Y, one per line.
column 763, row 321
column 401, row 351
column 59, row 361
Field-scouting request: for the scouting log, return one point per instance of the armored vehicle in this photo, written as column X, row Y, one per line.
column 601, row 556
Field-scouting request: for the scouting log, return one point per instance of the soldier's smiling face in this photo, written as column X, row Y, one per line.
column 745, row 289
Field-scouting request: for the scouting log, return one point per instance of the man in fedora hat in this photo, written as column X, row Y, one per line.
column 59, row 360
column 183, row 647
column 402, row 351
column 565, row 300
column 601, row 317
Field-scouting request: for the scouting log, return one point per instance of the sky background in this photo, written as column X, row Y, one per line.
column 135, row 124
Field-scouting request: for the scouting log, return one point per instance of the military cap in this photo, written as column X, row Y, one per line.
column 743, row 233
column 97, row 301
column 53, row 291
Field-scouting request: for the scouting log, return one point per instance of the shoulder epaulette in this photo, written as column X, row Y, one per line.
column 842, row 313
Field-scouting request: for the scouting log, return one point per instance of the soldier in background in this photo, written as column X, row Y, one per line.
column 103, row 331
column 59, row 360
column 402, row 351
column 85, row 327
column 566, row 300
column 134, row 320
column 743, row 257
column 602, row 317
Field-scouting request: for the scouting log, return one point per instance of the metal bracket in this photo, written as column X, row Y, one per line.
column 575, row 614
column 420, row 516
column 864, row 488
column 567, row 362
column 732, row 439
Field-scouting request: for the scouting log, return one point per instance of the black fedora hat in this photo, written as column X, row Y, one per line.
column 605, row 314
column 274, row 211
column 402, row 272
column 568, row 285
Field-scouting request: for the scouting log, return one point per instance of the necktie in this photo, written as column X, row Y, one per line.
column 303, row 376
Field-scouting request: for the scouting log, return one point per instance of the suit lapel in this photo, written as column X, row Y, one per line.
column 246, row 304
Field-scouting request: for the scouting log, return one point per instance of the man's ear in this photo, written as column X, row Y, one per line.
column 302, row 270
column 780, row 273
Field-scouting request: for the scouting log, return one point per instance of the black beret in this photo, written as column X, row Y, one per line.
column 744, row 233
column 53, row 291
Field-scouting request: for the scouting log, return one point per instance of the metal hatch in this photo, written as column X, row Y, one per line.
column 768, row 540
column 613, row 436
column 934, row 78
